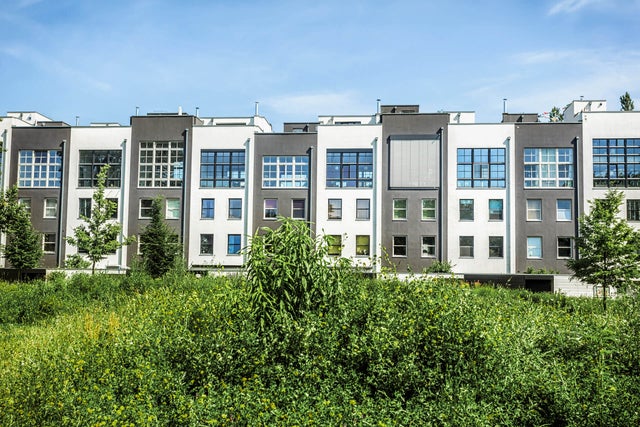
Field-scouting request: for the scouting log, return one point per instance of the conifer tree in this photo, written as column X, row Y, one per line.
column 626, row 103
column 159, row 244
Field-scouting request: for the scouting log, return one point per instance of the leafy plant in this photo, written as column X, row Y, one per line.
column 159, row 245
column 440, row 267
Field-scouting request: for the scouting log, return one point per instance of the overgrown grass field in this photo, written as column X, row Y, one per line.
column 134, row 351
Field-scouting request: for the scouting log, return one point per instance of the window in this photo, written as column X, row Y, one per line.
column 534, row 247
column 466, row 246
column 335, row 245
column 362, row 245
column 496, row 245
column 39, row 168
column 172, row 209
column 633, row 210
column 350, row 168
column 50, row 208
column 92, row 161
column 270, row 208
column 222, row 169
column 49, row 243
column 428, row 209
column 114, row 205
column 399, row 209
column 26, row 202
column 146, row 208
column 233, row 244
column 285, row 171
column 235, row 208
column 534, row 210
column 400, row 246
column 363, row 209
column 495, row 210
column 428, row 246
column 161, row 164
column 84, row 209
column 298, row 209
column 548, row 167
column 207, row 208
column 616, row 162
column 481, row 167
column 565, row 247
column 206, row 244
column 563, row 209
column 335, row 209
column 466, row 209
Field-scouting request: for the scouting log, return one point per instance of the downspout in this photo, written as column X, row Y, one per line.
column 183, row 222
column 508, row 203
column 374, row 208
column 247, row 182
column 3, row 146
column 123, row 169
column 61, row 204
column 576, row 189
column 310, row 181
column 440, row 207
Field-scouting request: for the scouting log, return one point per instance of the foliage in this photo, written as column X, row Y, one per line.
column 24, row 244
column 626, row 103
column 542, row 270
column 159, row 244
column 608, row 247
column 555, row 115
column 440, row 267
column 76, row 261
column 101, row 234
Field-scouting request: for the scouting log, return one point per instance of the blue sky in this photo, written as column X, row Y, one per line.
column 100, row 59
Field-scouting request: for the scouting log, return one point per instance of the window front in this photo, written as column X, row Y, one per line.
column 207, row 208
column 428, row 209
column 161, row 164
column 399, row 209
column 206, row 244
column 481, row 167
column 26, row 202
column 39, row 168
column 50, row 208
column 565, row 247
column 534, row 247
column 466, row 246
column 270, row 208
column 298, row 209
column 222, row 168
column 495, row 210
column 335, row 244
column 233, row 244
column 173, row 209
column 616, row 162
column 235, row 208
column 363, row 245
column 496, row 247
column 563, row 209
column 49, row 243
column 400, row 246
column 335, row 209
column 466, row 209
column 534, row 210
column 92, row 161
column 548, row 167
column 349, row 168
column 146, row 208
column 363, row 209
column 84, row 208
column 428, row 246
column 633, row 210
column 285, row 171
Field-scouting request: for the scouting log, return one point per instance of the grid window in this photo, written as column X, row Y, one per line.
column 146, row 208
column 565, row 247
column 39, row 168
column 26, row 202
column 563, row 209
column 285, row 171
column 534, row 247
column 207, row 208
column 466, row 246
column 534, row 210
column 235, row 208
column 49, row 243
column 481, row 167
column 234, row 244
column 161, row 164
column 633, row 210
column 298, row 210
column 206, row 244
column 84, row 208
column 363, row 245
column 172, row 209
column 428, row 209
column 270, row 208
column 349, row 168
column 334, row 245
column 428, row 248
column 400, row 246
column 92, row 161
column 496, row 210
column 616, row 162
column 466, row 209
column 335, row 209
column 222, row 168
column 548, row 167
column 496, row 247
column 399, row 209
column 363, row 209
column 50, row 208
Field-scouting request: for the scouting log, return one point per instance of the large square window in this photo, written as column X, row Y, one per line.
column 235, row 208
column 534, row 210
column 616, row 162
column 207, row 208
column 335, row 209
column 39, row 168
column 481, row 167
column 548, row 167
column 91, row 163
column 285, row 171
column 534, row 247
column 563, row 209
column 222, row 168
column 466, row 209
column 161, row 164
column 351, row 169
column 399, row 246
column 428, row 209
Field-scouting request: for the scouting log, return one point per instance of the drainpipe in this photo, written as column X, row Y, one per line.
column 3, row 147
column 576, row 189
column 123, row 169
column 247, row 182
column 310, row 181
column 374, row 202
column 61, row 204
column 440, row 207
column 183, row 222
column 508, row 203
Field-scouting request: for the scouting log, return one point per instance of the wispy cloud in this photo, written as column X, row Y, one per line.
column 26, row 3
column 571, row 6
column 315, row 104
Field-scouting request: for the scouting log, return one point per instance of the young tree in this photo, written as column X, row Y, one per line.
column 607, row 247
column 626, row 103
column 555, row 115
column 100, row 235
column 159, row 244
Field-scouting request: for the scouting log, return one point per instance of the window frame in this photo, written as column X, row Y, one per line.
column 349, row 168
column 234, row 247
column 160, row 164
column 539, row 217
column 481, row 167
column 90, row 162
column 142, row 209
column 492, row 211
column 46, row 212
column 334, row 212
column 363, row 213
column 286, row 171
column 296, row 211
column 633, row 212
column 548, row 167
column 234, row 212
column 400, row 210
column 222, row 169
column 564, row 247
column 205, row 210
column 334, row 244
column 427, row 245
column 399, row 249
column 362, row 249
column 493, row 245
column 209, row 244
column 266, row 209
column 425, row 209
column 617, row 155
column 39, row 168
column 564, row 218
column 466, row 210
column 469, row 243
column 84, row 207
column 172, row 212
column 49, row 239
column 530, row 246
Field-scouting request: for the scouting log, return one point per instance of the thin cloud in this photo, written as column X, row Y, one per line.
column 317, row 104
column 571, row 6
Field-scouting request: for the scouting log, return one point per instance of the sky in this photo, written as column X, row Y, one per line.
column 99, row 60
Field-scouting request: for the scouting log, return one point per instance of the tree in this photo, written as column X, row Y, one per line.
column 555, row 115
column 100, row 235
column 159, row 244
column 608, row 247
column 626, row 103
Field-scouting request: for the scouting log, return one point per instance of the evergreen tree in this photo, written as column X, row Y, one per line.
column 100, row 235
column 159, row 244
column 608, row 247
column 626, row 103
column 24, row 244
column 555, row 115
